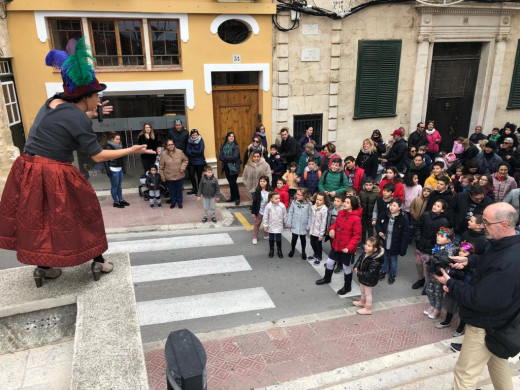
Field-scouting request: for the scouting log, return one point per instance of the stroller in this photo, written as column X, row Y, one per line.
column 144, row 190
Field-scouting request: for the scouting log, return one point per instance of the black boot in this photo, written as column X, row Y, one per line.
column 291, row 253
column 271, row 249
column 279, row 247
column 338, row 267
column 348, row 285
column 326, row 278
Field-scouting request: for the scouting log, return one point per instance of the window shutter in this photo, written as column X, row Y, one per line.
column 377, row 78
column 514, row 92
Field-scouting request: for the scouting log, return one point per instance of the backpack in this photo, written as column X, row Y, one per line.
column 341, row 178
column 305, row 175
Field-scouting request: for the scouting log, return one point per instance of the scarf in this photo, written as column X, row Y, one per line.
column 260, row 134
column 499, row 177
column 228, row 151
column 430, row 132
column 195, row 141
column 115, row 146
column 415, row 168
column 254, row 148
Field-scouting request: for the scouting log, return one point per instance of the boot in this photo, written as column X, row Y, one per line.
column 348, row 285
column 291, row 253
column 279, row 247
column 365, row 311
column 338, row 267
column 97, row 268
column 271, row 249
column 326, row 278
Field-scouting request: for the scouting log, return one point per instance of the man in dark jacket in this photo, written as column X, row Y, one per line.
column 418, row 137
column 396, row 157
column 477, row 135
column 467, row 204
column 488, row 160
column 179, row 135
column 490, row 300
column 289, row 148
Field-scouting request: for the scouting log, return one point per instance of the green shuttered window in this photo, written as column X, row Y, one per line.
column 514, row 93
column 377, row 78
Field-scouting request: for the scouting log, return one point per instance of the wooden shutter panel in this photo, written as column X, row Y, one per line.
column 514, row 92
column 377, row 78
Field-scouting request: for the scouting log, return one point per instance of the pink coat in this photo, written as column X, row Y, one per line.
column 434, row 140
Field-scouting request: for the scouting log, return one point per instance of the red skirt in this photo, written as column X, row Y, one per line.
column 50, row 214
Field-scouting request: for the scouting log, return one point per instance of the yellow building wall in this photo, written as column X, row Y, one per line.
column 203, row 47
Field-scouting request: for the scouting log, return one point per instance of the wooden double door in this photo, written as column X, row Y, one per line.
column 235, row 108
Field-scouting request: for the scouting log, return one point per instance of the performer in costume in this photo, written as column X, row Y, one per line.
column 49, row 212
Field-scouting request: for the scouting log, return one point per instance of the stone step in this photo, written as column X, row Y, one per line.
column 427, row 367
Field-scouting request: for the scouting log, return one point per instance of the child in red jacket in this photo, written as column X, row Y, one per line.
column 393, row 176
column 283, row 189
column 346, row 235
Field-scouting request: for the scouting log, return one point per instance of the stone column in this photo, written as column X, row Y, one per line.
column 335, row 63
column 420, row 86
column 280, row 77
column 8, row 152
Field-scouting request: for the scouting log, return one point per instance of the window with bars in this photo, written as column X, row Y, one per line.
column 302, row 123
column 117, row 43
column 164, row 40
column 514, row 92
column 65, row 33
column 377, row 78
column 11, row 103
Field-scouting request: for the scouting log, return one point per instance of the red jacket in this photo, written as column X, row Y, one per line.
column 399, row 188
column 284, row 195
column 434, row 140
column 358, row 178
column 347, row 228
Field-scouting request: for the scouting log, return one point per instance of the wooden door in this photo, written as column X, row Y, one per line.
column 235, row 108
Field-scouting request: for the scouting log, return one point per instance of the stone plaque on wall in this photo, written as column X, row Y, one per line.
column 310, row 29
column 310, row 54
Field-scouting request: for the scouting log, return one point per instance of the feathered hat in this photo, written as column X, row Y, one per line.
column 77, row 70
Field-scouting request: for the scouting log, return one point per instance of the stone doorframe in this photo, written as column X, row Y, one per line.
column 464, row 23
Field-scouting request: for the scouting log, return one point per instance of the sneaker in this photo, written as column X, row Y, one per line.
column 458, row 333
column 124, row 203
column 456, row 347
column 391, row 279
column 213, row 219
column 417, row 285
column 255, row 241
column 152, row 206
column 317, row 261
column 442, row 325
column 180, row 206
column 205, row 219
column 382, row 275
column 119, row 205
column 159, row 205
column 311, row 258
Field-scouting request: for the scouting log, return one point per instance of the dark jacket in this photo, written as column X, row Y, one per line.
column 461, row 207
column 468, row 155
column 233, row 159
column 492, row 296
column 151, row 144
column 369, row 162
column 513, row 160
column 417, row 139
column 400, row 232
column 155, row 180
column 310, row 180
column 276, row 164
column 446, row 196
column 289, row 150
column 179, row 138
column 368, row 201
column 208, row 187
column 422, row 172
column 477, row 239
column 476, row 137
column 397, row 155
column 116, row 163
column 380, row 145
column 426, row 230
column 369, row 268
column 195, row 152
column 487, row 165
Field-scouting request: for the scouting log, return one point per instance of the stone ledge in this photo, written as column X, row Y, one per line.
column 108, row 352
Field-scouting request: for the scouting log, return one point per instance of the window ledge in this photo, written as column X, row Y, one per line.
column 374, row 116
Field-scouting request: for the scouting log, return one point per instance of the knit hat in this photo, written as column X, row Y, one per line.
column 77, row 70
column 491, row 144
column 428, row 187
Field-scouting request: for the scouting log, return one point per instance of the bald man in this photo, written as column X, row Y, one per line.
column 491, row 298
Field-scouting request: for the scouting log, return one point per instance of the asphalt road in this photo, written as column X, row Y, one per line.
column 216, row 279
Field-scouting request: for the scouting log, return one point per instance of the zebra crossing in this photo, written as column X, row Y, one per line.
column 168, row 309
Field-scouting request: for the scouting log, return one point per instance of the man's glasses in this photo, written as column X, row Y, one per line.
column 487, row 223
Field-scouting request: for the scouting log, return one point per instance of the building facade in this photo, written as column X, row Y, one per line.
column 205, row 62
column 396, row 64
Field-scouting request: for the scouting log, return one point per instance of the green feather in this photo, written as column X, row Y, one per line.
column 78, row 66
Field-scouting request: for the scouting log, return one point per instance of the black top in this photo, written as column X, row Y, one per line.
column 57, row 133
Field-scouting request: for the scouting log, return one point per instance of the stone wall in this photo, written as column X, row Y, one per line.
column 8, row 152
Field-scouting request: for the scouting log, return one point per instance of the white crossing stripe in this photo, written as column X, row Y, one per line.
column 169, row 243
column 337, row 281
column 186, row 269
column 205, row 305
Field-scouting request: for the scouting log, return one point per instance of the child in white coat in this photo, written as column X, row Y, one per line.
column 299, row 219
column 274, row 217
column 319, row 224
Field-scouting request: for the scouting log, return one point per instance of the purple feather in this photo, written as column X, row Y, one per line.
column 56, row 58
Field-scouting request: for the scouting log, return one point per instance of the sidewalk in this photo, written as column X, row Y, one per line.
column 282, row 352
column 140, row 217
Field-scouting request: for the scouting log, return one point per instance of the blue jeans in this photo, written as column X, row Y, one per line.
column 392, row 259
column 175, row 187
column 116, row 179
